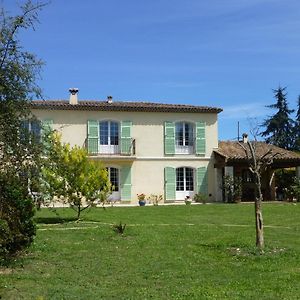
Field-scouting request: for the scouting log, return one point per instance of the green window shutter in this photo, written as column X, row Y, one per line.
column 202, row 186
column 93, row 136
column 126, row 137
column 169, row 137
column 170, row 183
column 126, row 183
column 47, row 125
column 200, row 138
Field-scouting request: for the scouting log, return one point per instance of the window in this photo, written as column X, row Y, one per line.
column 247, row 176
column 109, row 137
column 109, row 133
column 113, row 175
column 184, row 138
column 31, row 128
column 184, row 179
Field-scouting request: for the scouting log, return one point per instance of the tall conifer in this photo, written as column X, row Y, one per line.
column 297, row 128
column 279, row 127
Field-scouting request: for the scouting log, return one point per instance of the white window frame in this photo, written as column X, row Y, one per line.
column 109, row 148
column 182, row 194
column 115, row 195
column 185, row 149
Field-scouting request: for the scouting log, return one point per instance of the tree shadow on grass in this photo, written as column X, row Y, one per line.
column 54, row 220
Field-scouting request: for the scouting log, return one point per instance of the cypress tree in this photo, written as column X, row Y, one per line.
column 279, row 127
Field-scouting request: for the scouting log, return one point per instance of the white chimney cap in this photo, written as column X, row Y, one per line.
column 73, row 96
column 109, row 99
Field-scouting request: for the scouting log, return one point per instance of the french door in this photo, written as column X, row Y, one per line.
column 109, row 137
column 185, row 185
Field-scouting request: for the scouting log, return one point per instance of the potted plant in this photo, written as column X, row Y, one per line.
column 188, row 200
column 141, row 198
column 237, row 189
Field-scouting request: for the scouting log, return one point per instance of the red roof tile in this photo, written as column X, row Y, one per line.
column 122, row 106
column 233, row 151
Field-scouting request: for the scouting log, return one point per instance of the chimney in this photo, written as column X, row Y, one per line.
column 245, row 138
column 109, row 99
column 73, row 96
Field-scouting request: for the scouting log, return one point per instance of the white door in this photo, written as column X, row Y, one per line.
column 109, row 137
column 185, row 184
column 114, row 177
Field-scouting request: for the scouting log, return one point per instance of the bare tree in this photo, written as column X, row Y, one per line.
column 258, row 164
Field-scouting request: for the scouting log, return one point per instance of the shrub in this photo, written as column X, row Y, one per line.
column 119, row 228
column 155, row 199
column 17, row 229
column 294, row 190
column 200, row 198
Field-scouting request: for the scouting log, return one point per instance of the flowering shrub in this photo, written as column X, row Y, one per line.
column 155, row 199
column 141, row 197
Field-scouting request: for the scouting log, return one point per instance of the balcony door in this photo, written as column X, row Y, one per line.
column 109, row 137
column 184, row 138
column 185, row 185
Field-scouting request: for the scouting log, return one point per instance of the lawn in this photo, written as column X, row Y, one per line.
column 166, row 252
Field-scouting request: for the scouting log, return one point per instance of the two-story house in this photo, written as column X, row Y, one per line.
column 150, row 148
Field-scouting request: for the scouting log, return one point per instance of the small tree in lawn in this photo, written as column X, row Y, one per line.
column 257, row 166
column 68, row 174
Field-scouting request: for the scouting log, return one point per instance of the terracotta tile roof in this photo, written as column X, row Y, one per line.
column 232, row 151
column 122, row 106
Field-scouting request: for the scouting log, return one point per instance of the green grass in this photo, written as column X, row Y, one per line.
column 167, row 252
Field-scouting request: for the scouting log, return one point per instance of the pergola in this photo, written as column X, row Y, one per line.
column 231, row 159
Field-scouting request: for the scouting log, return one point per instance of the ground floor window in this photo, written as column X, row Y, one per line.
column 184, row 179
column 113, row 175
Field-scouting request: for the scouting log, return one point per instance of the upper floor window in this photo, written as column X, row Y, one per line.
column 31, row 129
column 109, row 136
column 184, row 138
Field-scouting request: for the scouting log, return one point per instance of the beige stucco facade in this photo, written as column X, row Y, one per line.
column 149, row 161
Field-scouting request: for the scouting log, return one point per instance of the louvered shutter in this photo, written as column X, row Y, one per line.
column 47, row 125
column 126, row 137
column 170, row 183
column 169, row 137
column 93, row 137
column 126, row 183
column 202, row 186
column 200, row 138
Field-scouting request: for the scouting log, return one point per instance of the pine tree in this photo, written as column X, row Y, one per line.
column 279, row 127
column 297, row 128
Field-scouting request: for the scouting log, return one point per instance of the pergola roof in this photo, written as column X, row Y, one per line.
column 234, row 153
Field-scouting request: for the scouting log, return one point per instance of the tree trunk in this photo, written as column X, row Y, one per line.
column 258, row 214
column 78, row 212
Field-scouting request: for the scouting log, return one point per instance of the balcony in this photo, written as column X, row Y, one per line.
column 180, row 148
column 125, row 149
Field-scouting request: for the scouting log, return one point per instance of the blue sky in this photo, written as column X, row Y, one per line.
column 224, row 53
